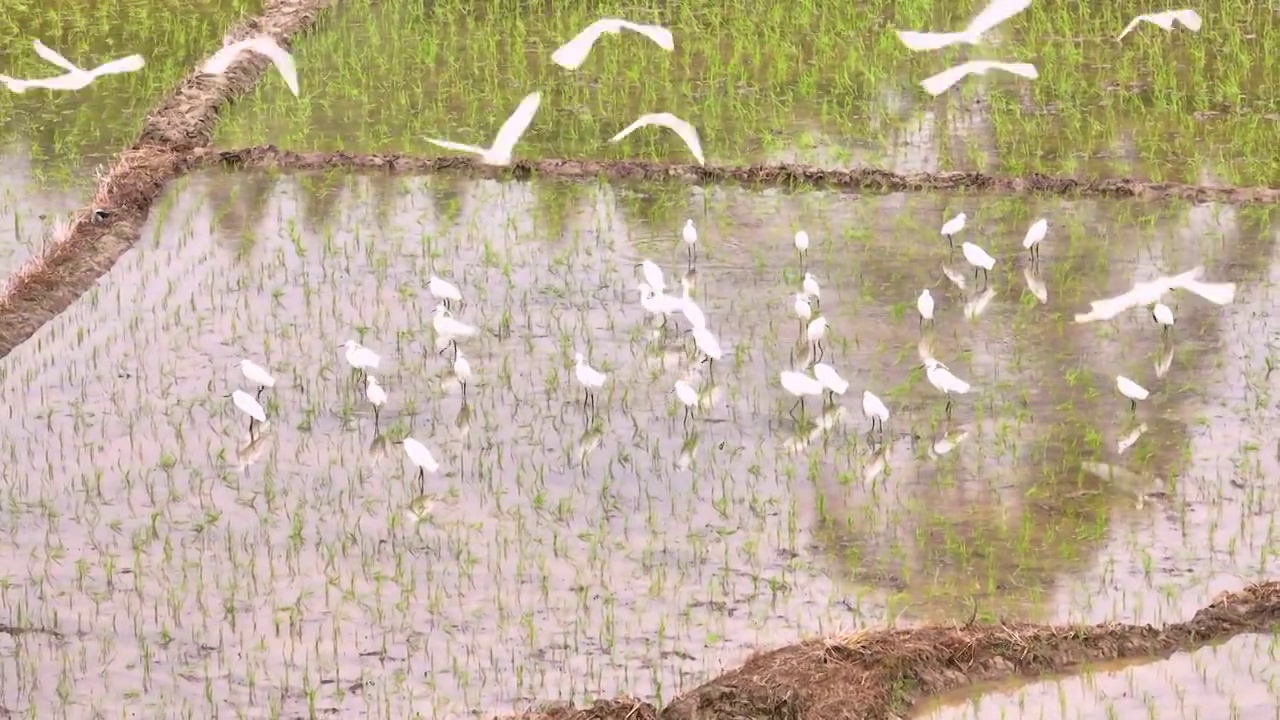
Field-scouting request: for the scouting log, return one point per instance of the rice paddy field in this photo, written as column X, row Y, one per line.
column 161, row 562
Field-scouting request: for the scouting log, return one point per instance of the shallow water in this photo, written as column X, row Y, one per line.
column 26, row 196
column 576, row 558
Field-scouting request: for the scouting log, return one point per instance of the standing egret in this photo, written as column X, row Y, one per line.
column 811, row 289
column 953, row 226
column 499, row 153
column 1163, row 316
column 1035, row 234
column 653, row 275
column 462, row 371
column 257, row 375
column 831, row 380
column 690, row 236
column 873, row 408
column 942, row 379
column 590, row 379
column 76, row 77
column 937, row 84
column 376, row 396
column 1190, row 19
column 1131, row 390
column 572, row 54
column 251, row 407
column 994, row 14
column 361, row 358
column 443, row 290
column 816, row 330
column 924, row 304
column 450, row 329
column 979, row 259
column 803, row 309
column 264, row 45
column 802, row 245
column 799, row 385
column 708, row 345
column 659, row 304
column 688, row 397
column 690, row 309
column 419, row 455
column 683, row 129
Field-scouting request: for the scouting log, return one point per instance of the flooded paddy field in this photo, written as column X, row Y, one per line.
column 573, row 555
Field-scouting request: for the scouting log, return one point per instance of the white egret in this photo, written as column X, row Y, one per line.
column 572, row 54
column 1189, row 19
column 461, row 371
column 1131, row 390
column 994, row 14
column 653, row 275
column 708, row 345
column 811, row 289
column 263, row 45
column 802, row 244
column 799, row 385
column 376, row 396
column 443, row 290
column 688, row 397
column 816, row 330
column 690, row 236
column 76, row 77
column 942, row 378
column 1145, row 293
column 803, row 310
column 659, row 304
column 508, row 135
column 830, row 379
column 419, row 455
column 953, row 226
column 1163, row 316
column 873, row 408
column 447, row 327
column 590, row 379
column 251, row 407
column 687, row 132
column 256, row 374
column 692, row 312
column 979, row 259
column 1034, row 235
column 360, row 357
column 924, row 304
column 937, row 84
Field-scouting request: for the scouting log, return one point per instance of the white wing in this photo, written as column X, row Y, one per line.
column 123, row 65
column 656, row 33
column 919, row 41
column 1189, row 18
column 281, row 58
column 69, row 81
column 937, row 84
column 994, row 14
column 686, row 131
column 52, row 56
column 458, row 146
column 572, row 54
column 515, row 125
column 221, row 60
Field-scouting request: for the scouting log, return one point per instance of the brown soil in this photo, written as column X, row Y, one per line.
column 872, row 179
column 75, row 256
column 881, row 674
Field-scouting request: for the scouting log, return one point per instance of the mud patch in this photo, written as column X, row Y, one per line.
column 76, row 256
column 882, row 674
column 871, row 179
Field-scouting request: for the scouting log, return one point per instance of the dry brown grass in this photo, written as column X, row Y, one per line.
column 882, row 674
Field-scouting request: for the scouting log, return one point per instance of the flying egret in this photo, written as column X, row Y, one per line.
column 811, row 289
column 76, row 77
column 690, row 236
column 499, row 153
column 979, row 259
column 799, row 385
column 687, row 132
column 447, row 327
column 873, row 408
column 953, row 226
column 419, row 455
column 1035, row 234
column 924, row 304
column 943, row 379
column 1131, row 390
column 816, row 330
column 802, row 245
column 1163, row 316
column 1189, row 19
column 1145, row 293
column 462, row 371
column 590, row 379
column 688, row 397
column 360, row 357
column 443, row 290
column 256, row 374
column 937, row 84
column 251, row 407
column 653, row 275
column 830, row 379
column 376, row 396
column 572, row 54
column 708, row 345
column 994, row 14
column 263, row 45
